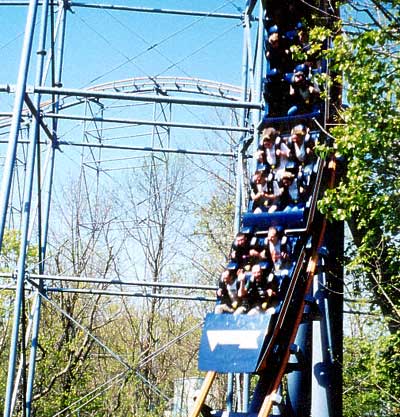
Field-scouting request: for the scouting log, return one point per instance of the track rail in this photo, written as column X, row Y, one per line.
column 310, row 272
column 276, row 350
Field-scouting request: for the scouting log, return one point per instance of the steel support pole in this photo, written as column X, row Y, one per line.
column 48, row 187
column 118, row 282
column 158, row 10
column 145, row 98
column 35, row 143
column 5, row 192
column 255, row 118
column 166, row 124
column 250, row 57
column 32, row 357
column 259, row 63
column 229, row 393
column 17, row 110
column 239, row 184
column 148, row 149
column 36, row 319
column 60, row 45
column 327, row 341
column 320, row 384
column 40, row 291
column 116, row 7
column 258, row 72
column 50, row 56
column 239, row 164
column 246, row 392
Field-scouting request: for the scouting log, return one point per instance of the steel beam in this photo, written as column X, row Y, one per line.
column 117, row 282
column 142, row 98
column 132, row 9
column 147, row 122
column 5, row 194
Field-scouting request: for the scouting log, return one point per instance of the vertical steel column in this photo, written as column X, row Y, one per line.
column 247, row 31
column 16, row 118
column 255, row 117
column 298, row 395
column 258, row 75
column 50, row 56
column 229, row 394
column 34, row 345
column 239, row 169
column 35, row 139
column 250, row 74
column 320, row 363
column 48, row 188
column 246, row 392
column 61, row 43
column 239, row 182
column 327, row 341
column 239, row 396
column 56, row 81
column 259, row 63
column 48, row 191
column 38, row 301
column 5, row 191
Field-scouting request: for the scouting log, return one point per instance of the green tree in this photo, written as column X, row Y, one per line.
column 371, row 377
column 215, row 229
column 157, row 338
column 10, row 252
column 8, row 263
column 365, row 54
column 367, row 139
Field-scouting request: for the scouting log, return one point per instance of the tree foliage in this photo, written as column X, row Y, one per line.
column 10, row 252
column 371, row 376
column 366, row 59
column 367, row 139
column 215, row 226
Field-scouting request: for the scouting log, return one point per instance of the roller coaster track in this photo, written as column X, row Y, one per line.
column 310, row 272
column 279, row 345
column 288, row 321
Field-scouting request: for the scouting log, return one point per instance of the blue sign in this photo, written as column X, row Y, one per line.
column 233, row 343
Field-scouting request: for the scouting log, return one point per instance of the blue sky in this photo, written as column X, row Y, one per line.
column 99, row 41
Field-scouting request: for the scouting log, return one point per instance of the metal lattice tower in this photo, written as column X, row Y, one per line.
column 58, row 117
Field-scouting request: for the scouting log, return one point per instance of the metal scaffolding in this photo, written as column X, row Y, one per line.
column 34, row 129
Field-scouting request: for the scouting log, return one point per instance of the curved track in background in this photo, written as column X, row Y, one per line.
column 163, row 86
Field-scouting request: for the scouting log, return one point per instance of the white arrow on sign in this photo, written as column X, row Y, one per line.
column 246, row 339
